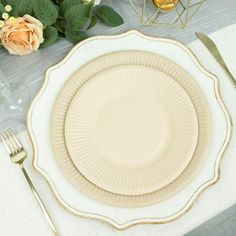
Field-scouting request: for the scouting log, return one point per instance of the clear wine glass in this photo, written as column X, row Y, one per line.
column 14, row 99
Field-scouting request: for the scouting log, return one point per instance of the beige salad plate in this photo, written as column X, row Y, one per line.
column 133, row 129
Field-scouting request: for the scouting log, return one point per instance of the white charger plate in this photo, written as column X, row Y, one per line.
column 39, row 130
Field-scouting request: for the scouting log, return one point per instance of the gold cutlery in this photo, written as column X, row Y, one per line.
column 18, row 154
column 212, row 48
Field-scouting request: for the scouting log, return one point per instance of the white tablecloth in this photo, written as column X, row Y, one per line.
column 20, row 215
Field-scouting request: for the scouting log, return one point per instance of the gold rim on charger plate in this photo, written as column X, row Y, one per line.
column 196, row 194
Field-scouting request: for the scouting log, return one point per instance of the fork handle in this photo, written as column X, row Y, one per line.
column 39, row 200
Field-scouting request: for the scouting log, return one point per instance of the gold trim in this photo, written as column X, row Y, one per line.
column 196, row 194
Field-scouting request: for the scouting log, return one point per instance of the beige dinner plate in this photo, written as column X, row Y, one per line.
column 131, row 129
column 84, row 74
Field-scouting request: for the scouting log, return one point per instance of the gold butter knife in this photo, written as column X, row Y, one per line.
column 212, row 48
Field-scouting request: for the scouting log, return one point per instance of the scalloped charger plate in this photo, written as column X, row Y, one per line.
column 79, row 203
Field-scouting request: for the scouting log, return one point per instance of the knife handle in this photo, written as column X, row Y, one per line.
column 231, row 77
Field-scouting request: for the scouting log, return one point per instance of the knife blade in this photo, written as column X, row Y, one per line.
column 212, row 48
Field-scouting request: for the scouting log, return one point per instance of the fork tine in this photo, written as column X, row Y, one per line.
column 6, row 143
column 12, row 142
column 17, row 142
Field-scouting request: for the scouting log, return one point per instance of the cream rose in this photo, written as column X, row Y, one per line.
column 22, row 36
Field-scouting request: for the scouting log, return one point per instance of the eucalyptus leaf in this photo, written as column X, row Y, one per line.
column 77, row 16
column 109, row 16
column 4, row 2
column 21, row 7
column 45, row 11
column 93, row 22
column 58, row 1
column 66, row 4
column 75, row 36
column 57, row 7
column 59, row 26
column 11, row 2
column 2, row 9
column 50, row 35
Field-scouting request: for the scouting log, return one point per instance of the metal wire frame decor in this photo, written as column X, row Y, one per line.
column 178, row 16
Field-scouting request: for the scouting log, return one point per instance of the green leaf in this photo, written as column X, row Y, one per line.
column 59, row 26
column 75, row 36
column 66, row 4
column 2, row 9
column 22, row 7
column 109, row 16
column 58, row 1
column 77, row 16
column 45, row 11
column 93, row 22
column 10, row 2
column 50, row 35
column 57, row 7
column 4, row 2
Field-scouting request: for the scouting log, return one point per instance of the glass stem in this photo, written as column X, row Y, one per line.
column 5, row 90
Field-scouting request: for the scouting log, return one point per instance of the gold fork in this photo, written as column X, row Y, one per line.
column 18, row 155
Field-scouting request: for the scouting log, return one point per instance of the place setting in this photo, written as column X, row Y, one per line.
column 127, row 129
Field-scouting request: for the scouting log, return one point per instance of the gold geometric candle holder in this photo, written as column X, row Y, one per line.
column 172, row 13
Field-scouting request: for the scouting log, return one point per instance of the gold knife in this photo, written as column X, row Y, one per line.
column 212, row 48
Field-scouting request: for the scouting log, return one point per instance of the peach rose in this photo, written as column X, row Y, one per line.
column 22, row 36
